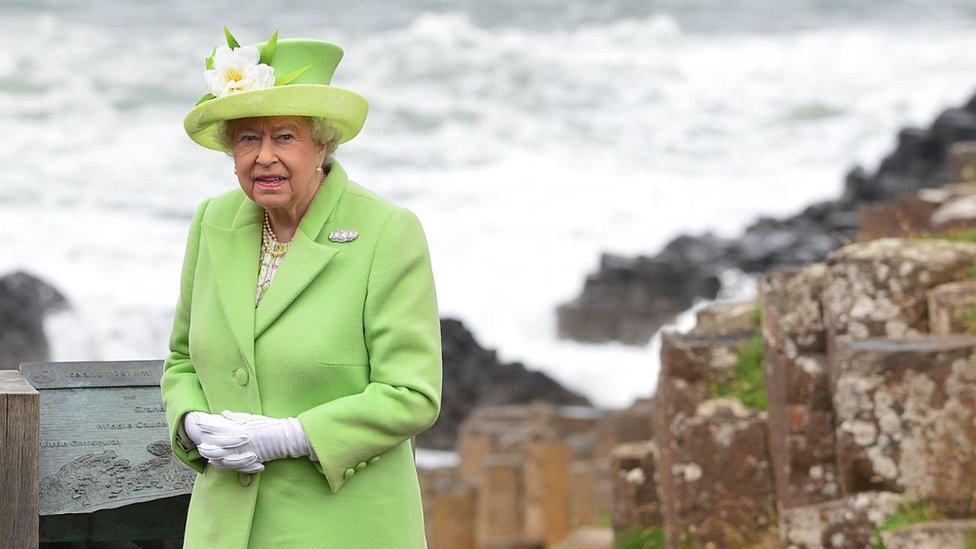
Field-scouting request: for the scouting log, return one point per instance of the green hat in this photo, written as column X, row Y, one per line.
column 275, row 78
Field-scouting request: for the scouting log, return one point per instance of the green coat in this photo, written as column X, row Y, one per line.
column 346, row 339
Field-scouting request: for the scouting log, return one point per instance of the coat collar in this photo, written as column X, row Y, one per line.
column 235, row 254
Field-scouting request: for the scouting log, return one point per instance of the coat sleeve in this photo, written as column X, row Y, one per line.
column 179, row 385
column 402, row 332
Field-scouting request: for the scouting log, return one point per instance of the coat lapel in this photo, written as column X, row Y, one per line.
column 236, row 253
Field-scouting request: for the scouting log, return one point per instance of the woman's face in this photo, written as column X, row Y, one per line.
column 275, row 158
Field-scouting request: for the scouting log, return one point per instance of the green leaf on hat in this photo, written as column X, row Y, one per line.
column 231, row 41
column 207, row 97
column 209, row 62
column 288, row 78
column 267, row 52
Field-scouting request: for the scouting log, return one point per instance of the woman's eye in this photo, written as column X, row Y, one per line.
column 247, row 138
column 286, row 136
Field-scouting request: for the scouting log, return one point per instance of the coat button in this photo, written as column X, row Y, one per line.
column 241, row 375
column 373, row 459
column 244, row 478
column 349, row 473
column 360, row 465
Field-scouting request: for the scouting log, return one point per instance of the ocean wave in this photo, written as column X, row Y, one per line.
column 563, row 139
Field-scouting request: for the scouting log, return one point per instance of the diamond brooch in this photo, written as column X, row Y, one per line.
column 343, row 235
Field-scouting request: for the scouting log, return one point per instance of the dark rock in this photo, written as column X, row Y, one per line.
column 24, row 302
column 628, row 300
column 474, row 377
column 954, row 125
column 918, row 153
column 770, row 242
column 858, row 185
column 971, row 104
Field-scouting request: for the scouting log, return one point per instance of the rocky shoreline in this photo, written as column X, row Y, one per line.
column 835, row 410
column 629, row 298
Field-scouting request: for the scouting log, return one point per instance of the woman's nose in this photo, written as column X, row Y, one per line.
column 266, row 155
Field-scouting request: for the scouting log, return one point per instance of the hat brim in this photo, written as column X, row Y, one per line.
column 344, row 108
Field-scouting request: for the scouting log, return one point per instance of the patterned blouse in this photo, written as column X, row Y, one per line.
column 269, row 266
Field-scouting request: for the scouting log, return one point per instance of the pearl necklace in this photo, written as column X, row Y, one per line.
column 269, row 242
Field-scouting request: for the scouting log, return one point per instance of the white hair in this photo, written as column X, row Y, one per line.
column 323, row 131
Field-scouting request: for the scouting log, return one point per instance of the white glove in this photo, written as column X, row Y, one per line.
column 271, row 438
column 221, row 441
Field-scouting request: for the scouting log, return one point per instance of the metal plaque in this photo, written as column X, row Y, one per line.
column 103, row 436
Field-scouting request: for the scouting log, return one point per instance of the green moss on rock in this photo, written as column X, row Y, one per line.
column 642, row 537
column 908, row 513
column 747, row 382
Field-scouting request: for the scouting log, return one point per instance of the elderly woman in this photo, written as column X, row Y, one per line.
column 305, row 350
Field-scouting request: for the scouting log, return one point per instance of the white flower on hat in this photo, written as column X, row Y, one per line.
column 236, row 70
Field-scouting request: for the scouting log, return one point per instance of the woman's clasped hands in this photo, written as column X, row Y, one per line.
column 244, row 441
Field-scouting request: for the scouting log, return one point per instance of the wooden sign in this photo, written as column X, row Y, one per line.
column 103, row 437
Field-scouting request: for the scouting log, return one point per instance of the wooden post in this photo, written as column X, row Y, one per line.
column 501, row 501
column 547, row 487
column 19, row 418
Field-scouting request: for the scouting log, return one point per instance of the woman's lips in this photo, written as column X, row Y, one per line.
column 271, row 183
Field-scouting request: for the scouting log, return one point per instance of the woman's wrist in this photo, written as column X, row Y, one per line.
column 311, row 451
column 183, row 437
column 296, row 439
